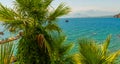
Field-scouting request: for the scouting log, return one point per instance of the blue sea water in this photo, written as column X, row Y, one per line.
column 93, row 28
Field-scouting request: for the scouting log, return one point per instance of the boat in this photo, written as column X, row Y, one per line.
column 66, row 20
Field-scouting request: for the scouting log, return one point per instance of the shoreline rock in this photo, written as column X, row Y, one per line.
column 117, row 16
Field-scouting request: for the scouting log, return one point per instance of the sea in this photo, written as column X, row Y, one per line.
column 91, row 28
column 97, row 29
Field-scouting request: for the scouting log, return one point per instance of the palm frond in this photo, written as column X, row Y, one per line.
column 58, row 40
column 6, row 52
column 47, row 3
column 112, row 57
column 65, row 49
column 90, row 51
column 105, row 45
column 53, row 27
column 37, row 9
column 9, row 18
column 59, row 51
column 60, row 11
column 12, row 26
column 6, row 14
column 78, row 59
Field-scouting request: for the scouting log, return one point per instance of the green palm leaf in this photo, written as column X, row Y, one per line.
column 6, row 13
column 60, row 11
column 105, row 45
column 6, row 52
column 53, row 27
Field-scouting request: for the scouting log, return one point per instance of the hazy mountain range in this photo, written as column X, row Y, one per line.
column 91, row 13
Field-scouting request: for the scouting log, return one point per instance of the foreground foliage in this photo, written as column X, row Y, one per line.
column 6, row 53
column 92, row 53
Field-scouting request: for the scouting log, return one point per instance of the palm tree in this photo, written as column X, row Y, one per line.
column 37, row 20
column 92, row 53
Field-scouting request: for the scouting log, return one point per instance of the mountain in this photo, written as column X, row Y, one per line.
column 90, row 13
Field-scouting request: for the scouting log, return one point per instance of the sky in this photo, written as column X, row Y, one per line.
column 85, row 7
column 77, row 5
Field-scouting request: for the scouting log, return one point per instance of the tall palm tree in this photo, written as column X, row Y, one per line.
column 37, row 20
column 92, row 53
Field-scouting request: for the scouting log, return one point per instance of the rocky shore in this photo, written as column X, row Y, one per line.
column 117, row 16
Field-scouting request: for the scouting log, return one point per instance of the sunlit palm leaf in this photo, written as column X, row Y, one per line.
column 105, row 45
column 6, row 14
column 112, row 57
column 78, row 59
column 6, row 52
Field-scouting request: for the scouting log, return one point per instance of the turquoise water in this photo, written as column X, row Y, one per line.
column 94, row 28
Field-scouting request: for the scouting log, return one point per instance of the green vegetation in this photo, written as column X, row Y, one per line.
column 92, row 53
column 42, row 41
column 6, row 52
